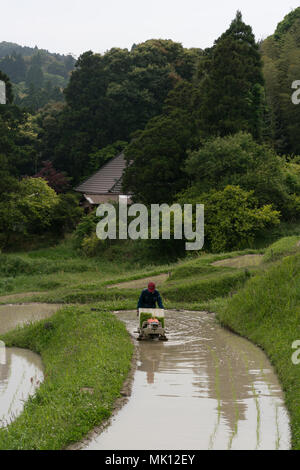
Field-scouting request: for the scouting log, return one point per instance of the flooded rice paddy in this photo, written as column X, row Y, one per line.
column 206, row 388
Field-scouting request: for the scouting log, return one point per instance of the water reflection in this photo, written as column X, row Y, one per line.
column 204, row 388
column 20, row 376
column 14, row 315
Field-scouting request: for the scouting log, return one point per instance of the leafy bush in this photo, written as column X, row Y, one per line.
column 232, row 217
column 240, row 161
column 13, row 265
column 67, row 214
column 6, row 285
column 85, row 229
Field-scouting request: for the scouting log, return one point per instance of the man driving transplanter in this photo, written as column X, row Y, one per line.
column 149, row 298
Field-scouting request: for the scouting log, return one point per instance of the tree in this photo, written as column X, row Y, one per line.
column 100, row 157
column 233, row 217
column 18, row 141
column 14, row 66
column 37, row 201
column 281, row 57
column 239, row 160
column 111, row 96
column 232, row 83
column 8, row 86
column 35, row 76
column 7, row 182
column 29, row 209
column 56, row 180
column 156, row 158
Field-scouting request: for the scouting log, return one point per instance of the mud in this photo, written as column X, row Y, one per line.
column 12, row 297
column 140, row 283
column 206, row 388
column 21, row 373
column 240, row 261
column 15, row 315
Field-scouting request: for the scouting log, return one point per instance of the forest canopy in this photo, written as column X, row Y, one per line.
column 208, row 125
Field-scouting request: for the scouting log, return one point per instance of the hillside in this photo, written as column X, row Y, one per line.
column 38, row 76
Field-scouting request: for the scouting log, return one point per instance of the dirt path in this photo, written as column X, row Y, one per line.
column 206, row 388
column 140, row 283
column 240, row 261
column 12, row 297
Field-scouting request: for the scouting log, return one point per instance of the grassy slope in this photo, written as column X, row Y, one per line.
column 194, row 284
column 83, row 349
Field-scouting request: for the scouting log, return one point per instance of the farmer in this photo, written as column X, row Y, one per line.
column 149, row 297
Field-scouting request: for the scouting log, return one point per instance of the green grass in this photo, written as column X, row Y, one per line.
column 83, row 349
column 282, row 247
column 205, row 288
column 92, row 349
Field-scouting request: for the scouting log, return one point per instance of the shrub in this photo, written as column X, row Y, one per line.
column 232, row 217
column 240, row 161
column 85, row 229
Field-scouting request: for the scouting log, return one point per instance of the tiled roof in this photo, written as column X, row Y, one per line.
column 107, row 180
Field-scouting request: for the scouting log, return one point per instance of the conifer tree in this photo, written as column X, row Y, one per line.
column 232, row 89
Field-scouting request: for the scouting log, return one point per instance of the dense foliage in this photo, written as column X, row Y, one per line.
column 191, row 123
column 232, row 83
column 281, row 57
column 38, row 77
column 112, row 95
column 232, row 217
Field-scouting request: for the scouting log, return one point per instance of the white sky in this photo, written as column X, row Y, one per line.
column 79, row 25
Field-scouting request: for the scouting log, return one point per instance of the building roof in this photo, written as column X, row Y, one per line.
column 107, row 180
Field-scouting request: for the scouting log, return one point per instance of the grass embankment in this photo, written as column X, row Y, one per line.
column 267, row 311
column 87, row 356
column 92, row 349
column 85, row 349
column 62, row 276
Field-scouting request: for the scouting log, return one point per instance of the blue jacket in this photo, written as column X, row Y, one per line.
column 149, row 299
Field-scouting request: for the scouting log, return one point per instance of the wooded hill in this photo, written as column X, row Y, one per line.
column 216, row 126
column 37, row 75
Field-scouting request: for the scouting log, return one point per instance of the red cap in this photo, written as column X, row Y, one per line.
column 151, row 287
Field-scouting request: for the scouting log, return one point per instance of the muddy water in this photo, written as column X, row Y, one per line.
column 19, row 378
column 21, row 371
column 206, row 388
column 14, row 315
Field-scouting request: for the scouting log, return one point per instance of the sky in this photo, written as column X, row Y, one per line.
column 75, row 26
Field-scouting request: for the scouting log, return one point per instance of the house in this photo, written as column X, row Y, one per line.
column 105, row 185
